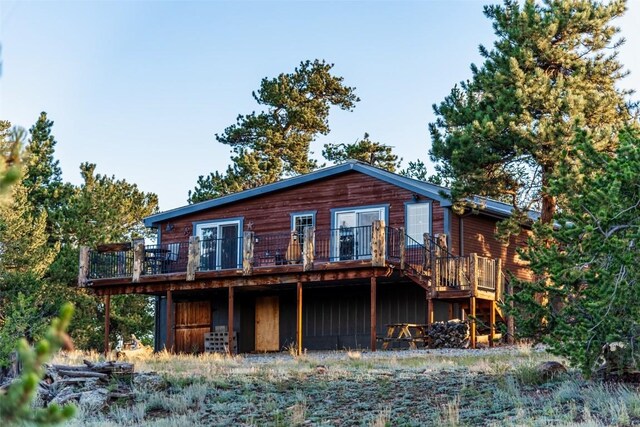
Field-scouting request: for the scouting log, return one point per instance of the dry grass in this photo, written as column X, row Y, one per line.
column 365, row 389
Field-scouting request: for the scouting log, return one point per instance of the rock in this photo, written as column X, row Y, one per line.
column 321, row 369
column 94, row 399
column 149, row 380
column 549, row 370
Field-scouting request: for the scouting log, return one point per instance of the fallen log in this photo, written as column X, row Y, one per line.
column 85, row 374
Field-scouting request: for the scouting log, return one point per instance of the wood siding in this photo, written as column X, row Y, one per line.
column 192, row 320
column 479, row 237
column 271, row 213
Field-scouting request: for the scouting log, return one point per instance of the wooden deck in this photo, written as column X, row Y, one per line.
column 312, row 259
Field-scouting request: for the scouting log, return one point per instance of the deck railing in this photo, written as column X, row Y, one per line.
column 166, row 258
column 220, row 254
column 429, row 259
column 277, row 249
column 110, row 264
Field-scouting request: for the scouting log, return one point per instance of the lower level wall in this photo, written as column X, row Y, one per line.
column 333, row 317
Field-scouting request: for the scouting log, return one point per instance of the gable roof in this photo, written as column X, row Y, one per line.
column 422, row 188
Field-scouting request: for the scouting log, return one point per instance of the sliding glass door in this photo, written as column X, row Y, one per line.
column 220, row 244
column 351, row 237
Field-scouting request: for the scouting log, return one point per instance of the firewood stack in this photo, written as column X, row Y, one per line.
column 451, row 334
column 91, row 384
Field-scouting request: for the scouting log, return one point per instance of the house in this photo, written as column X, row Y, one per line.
column 324, row 260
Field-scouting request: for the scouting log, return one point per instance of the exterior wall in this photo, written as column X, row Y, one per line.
column 479, row 236
column 272, row 212
column 333, row 318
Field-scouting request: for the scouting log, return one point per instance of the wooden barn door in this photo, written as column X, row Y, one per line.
column 267, row 324
column 193, row 320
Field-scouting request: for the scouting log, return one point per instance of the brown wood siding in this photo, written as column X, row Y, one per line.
column 455, row 234
column 192, row 320
column 479, row 237
column 272, row 212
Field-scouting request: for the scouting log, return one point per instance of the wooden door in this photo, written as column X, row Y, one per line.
column 193, row 320
column 267, row 324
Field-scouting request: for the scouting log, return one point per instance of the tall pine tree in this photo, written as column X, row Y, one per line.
column 553, row 70
column 365, row 150
column 590, row 260
column 274, row 143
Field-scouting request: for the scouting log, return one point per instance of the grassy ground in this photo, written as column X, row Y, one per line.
column 367, row 389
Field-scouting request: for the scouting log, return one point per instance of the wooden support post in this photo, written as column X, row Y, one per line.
column 498, row 280
column 83, row 270
column 193, row 260
column 299, row 319
column 450, row 312
column 378, row 244
column 230, row 321
column 473, row 273
column 107, row 315
column 138, row 260
column 511, row 324
column 308, row 250
column 169, row 340
column 492, row 322
column 247, row 253
column 472, row 319
column 403, row 248
column 373, row 314
column 430, row 311
column 426, row 255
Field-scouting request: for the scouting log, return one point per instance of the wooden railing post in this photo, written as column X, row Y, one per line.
column 427, row 255
column 498, row 280
column 247, row 253
column 403, row 248
column 473, row 273
column 138, row 260
column 378, row 244
column 308, row 249
column 83, row 270
column 193, row 260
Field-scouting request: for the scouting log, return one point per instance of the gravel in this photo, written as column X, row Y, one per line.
column 393, row 354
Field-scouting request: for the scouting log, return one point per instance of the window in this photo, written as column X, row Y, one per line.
column 220, row 244
column 300, row 221
column 351, row 234
column 418, row 221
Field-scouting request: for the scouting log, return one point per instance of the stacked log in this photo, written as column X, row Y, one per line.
column 92, row 385
column 451, row 334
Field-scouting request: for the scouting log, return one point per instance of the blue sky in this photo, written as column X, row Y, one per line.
column 141, row 87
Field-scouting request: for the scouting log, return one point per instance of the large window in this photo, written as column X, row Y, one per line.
column 220, row 244
column 351, row 235
column 418, row 221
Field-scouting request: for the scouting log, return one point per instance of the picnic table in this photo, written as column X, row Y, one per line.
column 412, row 333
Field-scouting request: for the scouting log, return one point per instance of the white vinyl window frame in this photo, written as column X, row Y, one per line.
column 357, row 245
column 199, row 228
column 418, row 220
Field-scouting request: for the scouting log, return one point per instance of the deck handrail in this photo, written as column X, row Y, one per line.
column 429, row 259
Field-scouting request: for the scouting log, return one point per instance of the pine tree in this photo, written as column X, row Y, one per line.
column 10, row 160
column 365, row 150
column 23, row 236
column 272, row 144
column 552, row 72
column 16, row 405
column 590, row 260
column 43, row 174
column 43, row 177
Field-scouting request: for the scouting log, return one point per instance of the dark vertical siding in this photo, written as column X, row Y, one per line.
column 160, row 337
